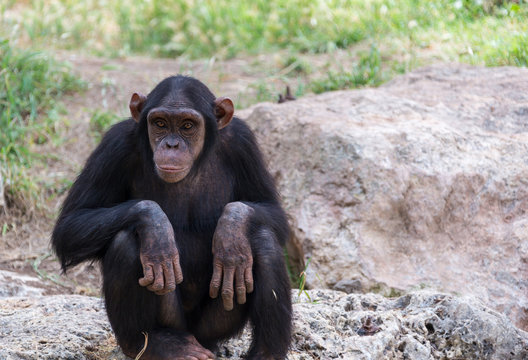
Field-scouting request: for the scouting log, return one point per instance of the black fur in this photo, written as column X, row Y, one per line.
column 98, row 222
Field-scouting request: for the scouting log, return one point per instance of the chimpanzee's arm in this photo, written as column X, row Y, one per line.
column 258, row 208
column 254, row 184
column 97, row 206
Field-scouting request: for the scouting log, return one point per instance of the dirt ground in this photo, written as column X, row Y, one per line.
column 25, row 247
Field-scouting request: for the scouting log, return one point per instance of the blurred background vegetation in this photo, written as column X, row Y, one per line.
column 312, row 37
column 495, row 31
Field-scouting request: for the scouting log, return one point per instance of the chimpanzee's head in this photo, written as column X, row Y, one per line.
column 182, row 118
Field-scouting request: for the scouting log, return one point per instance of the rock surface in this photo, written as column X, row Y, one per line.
column 419, row 183
column 14, row 284
column 420, row 325
column 69, row 327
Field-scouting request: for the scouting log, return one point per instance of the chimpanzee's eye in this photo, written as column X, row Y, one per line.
column 160, row 123
column 187, row 126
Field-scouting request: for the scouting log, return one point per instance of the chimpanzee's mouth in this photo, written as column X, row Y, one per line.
column 170, row 168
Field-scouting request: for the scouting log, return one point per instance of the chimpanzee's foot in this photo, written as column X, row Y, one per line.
column 164, row 346
column 193, row 351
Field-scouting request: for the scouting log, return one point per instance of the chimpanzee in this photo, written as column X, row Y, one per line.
column 178, row 206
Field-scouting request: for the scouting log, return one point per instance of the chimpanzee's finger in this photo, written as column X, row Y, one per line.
column 240, row 286
column 249, row 279
column 227, row 288
column 148, row 276
column 178, row 274
column 168, row 273
column 158, row 279
column 216, row 280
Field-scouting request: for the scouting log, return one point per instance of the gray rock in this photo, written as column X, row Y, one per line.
column 327, row 325
column 349, row 286
column 421, row 325
column 418, row 183
column 55, row 327
column 14, row 284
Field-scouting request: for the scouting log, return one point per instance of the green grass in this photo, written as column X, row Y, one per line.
column 512, row 50
column 100, row 121
column 293, row 63
column 30, row 84
column 193, row 28
column 366, row 72
column 226, row 28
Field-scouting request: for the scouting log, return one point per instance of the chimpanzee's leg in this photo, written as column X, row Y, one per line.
column 133, row 309
column 215, row 324
column 268, row 306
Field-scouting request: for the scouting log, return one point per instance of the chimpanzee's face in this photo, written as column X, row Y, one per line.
column 176, row 134
column 177, row 128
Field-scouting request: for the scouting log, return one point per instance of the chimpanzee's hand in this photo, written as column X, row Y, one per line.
column 159, row 257
column 232, row 255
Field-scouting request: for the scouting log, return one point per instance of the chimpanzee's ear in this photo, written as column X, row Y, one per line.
column 136, row 105
column 224, row 110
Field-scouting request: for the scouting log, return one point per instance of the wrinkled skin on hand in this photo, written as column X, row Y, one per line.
column 158, row 254
column 232, row 256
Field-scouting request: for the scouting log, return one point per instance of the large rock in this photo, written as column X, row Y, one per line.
column 331, row 325
column 422, row 182
column 69, row 327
